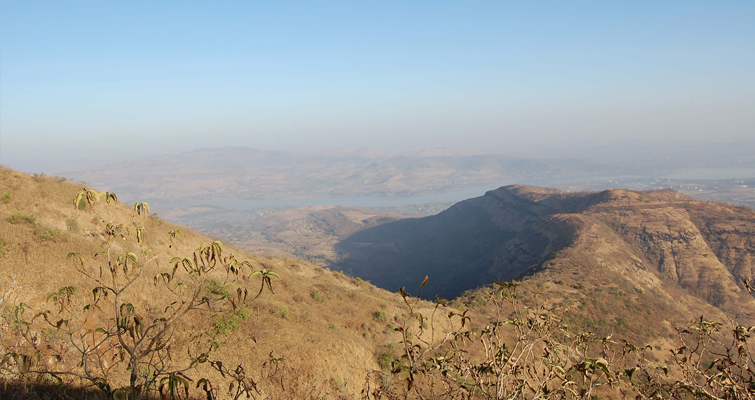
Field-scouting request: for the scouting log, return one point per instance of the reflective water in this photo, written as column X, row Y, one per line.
column 714, row 173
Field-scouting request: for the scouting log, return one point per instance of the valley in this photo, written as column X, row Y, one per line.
column 311, row 233
column 603, row 262
column 246, row 178
column 394, row 200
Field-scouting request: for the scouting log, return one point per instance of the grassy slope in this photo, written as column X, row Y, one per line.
column 329, row 343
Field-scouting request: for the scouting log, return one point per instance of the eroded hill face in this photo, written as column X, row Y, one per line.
column 692, row 254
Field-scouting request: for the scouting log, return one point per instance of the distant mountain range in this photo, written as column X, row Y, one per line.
column 222, row 176
column 238, row 174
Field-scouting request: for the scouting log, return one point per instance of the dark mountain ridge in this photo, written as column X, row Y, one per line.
column 650, row 238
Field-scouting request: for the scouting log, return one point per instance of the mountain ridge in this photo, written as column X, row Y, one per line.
column 515, row 231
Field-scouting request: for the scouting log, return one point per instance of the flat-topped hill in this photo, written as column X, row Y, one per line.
column 695, row 255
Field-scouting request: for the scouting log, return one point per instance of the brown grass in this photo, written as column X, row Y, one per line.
column 329, row 346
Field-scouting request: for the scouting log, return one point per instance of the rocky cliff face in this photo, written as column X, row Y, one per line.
column 657, row 240
column 705, row 248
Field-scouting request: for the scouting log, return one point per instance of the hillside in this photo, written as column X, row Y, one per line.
column 652, row 250
column 314, row 311
column 590, row 262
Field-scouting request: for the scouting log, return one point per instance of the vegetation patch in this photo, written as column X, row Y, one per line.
column 385, row 360
column 317, row 296
column 226, row 325
column 18, row 218
column 219, row 289
column 379, row 316
column 52, row 235
column 72, row 225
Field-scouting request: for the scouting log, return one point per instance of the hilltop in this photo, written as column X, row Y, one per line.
column 620, row 250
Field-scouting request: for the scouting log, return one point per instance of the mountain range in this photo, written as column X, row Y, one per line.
column 232, row 174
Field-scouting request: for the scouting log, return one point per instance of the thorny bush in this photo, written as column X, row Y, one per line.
column 108, row 338
column 527, row 351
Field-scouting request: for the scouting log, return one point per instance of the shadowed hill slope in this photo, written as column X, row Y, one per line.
column 656, row 238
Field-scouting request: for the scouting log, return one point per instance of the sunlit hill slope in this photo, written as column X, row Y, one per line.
column 322, row 323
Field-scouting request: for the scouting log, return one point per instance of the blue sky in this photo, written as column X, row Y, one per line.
column 81, row 82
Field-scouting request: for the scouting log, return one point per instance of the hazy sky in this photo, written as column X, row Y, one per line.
column 85, row 81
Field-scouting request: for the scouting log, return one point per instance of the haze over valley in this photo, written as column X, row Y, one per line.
column 301, row 205
column 395, row 200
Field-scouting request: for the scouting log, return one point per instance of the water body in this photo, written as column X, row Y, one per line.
column 714, row 173
column 350, row 201
column 377, row 201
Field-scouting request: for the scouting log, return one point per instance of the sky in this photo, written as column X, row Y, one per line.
column 82, row 83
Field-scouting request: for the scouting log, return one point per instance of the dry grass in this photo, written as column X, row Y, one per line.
column 332, row 330
column 329, row 346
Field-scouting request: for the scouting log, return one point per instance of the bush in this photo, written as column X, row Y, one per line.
column 529, row 352
column 72, row 225
column 18, row 218
column 5, row 198
column 150, row 344
column 317, row 296
column 224, row 326
column 379, row 316
column 218, row 289
column 385, row 360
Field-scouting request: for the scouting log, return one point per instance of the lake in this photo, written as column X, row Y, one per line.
column 714, row 173
column 350, row 201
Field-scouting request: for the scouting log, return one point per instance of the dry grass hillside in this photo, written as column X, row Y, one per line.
column 308, row 233
column 329, row 328
column 593, row 265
